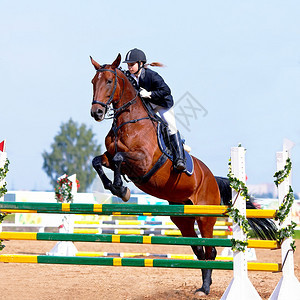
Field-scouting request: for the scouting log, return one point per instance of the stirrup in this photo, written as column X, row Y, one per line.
column 180, row 164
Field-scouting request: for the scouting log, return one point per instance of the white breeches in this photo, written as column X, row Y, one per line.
column 167, row 114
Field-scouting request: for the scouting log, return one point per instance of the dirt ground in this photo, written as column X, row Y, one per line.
column 40, row 281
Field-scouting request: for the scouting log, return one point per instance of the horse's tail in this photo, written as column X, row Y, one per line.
column 265, row 229
column 225, row 190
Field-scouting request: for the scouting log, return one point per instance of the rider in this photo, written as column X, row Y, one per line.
column 153, row 89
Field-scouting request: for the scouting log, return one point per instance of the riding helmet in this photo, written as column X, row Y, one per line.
column 135, row 55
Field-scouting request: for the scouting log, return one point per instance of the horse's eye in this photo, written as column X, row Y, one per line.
column 109, row 81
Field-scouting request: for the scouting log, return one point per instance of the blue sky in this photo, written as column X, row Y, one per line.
column 239, row 59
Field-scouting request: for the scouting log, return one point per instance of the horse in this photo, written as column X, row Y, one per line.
column 132, row 149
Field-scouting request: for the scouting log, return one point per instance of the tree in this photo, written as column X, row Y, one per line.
column 72, row 152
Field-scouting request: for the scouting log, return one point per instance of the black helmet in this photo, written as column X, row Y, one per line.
column 135, row 55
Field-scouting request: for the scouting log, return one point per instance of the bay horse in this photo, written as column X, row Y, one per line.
column 132, row 149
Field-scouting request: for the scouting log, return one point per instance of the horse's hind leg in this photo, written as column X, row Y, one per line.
column 206, row 226
column 186, row 226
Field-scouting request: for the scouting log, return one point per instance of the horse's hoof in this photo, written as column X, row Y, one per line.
column 199, row 293
column 126, row 197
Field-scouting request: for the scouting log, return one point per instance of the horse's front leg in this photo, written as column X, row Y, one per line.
column 116, row 188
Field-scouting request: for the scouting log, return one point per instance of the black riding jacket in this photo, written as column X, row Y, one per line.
column 154, row 83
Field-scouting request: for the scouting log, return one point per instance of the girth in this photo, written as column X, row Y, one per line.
column 143, row 179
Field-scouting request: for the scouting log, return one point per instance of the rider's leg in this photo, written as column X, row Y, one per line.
column 167, row 114
column 178, row 151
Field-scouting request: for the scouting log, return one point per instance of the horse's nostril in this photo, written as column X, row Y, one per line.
column 99, row 111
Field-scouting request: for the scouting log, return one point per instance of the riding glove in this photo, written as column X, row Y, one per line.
column 144, row 93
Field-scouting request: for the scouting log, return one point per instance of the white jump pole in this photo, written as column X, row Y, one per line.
column 68, row 220
column 240, row 286
column 288, row 286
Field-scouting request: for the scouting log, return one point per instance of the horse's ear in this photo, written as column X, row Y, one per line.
column 117, row 61
column 95, row 64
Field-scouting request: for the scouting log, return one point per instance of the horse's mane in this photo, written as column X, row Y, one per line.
column 130, row 78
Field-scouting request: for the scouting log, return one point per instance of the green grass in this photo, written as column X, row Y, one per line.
column 297, row 235
column 10, row 218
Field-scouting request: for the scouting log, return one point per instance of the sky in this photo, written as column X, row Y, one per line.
column 233, row 68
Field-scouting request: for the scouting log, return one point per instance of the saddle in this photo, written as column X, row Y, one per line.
column 164, row 144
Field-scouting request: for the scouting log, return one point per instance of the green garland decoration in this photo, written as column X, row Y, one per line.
column 2, row 216
column 241, row 188
column 281, row 214
column 293, row 245
column 285, row 207
column 3, row 190
column 238, row 185
column 285, row 233
column 237, row 218
column 281, row 175
column 238, row 245
column 3, row 172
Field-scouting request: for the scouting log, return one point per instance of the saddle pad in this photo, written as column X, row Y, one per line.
column 163, row 147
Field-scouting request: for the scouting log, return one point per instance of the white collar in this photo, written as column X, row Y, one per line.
column 136, row 78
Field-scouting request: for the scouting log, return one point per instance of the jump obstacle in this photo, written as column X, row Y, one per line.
column 240, row 287
column 128, row 209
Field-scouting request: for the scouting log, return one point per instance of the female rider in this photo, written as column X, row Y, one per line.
column 153, row 89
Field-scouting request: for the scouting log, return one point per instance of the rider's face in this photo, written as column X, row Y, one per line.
column 133, row 67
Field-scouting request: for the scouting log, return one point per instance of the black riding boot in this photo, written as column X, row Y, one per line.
column 178, row 152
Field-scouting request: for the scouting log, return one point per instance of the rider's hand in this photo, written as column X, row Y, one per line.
column 144, row 93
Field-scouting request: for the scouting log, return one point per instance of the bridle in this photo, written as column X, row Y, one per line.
column 120, row 110
column 114, row 88
column 111, row 98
